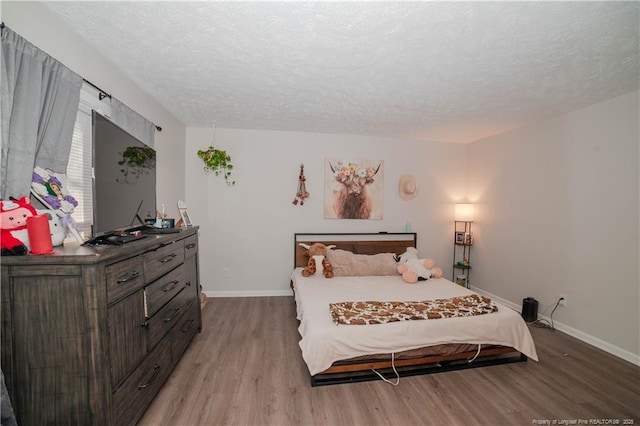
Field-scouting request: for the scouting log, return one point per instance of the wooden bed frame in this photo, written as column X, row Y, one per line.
column 361, row 369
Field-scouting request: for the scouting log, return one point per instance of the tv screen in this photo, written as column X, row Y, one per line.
column 124, row 178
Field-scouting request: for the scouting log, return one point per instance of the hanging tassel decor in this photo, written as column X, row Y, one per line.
column 302, row 193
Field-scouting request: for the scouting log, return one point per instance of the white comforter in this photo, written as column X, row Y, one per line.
column 323, row 342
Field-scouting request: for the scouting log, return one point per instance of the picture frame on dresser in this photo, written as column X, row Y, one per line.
column 185, row 220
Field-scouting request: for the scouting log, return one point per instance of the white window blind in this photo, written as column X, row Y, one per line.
column 80, row 167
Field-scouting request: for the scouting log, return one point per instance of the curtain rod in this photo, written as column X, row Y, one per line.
column 104, row 94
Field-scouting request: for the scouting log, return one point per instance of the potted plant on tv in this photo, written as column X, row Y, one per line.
column 217, row 161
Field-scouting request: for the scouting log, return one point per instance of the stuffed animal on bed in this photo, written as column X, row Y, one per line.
column 14, row 239
column 414, row 269
column 318, row 256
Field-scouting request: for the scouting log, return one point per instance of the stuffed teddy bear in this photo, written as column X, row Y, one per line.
column 414, row 269
column 318, row 256
column 14, row 239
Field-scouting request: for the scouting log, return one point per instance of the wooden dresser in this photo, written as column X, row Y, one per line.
column 90, row 334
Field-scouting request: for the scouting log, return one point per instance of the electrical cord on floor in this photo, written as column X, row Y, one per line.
column 477, row 353
column 543, row 323
column 393, row 365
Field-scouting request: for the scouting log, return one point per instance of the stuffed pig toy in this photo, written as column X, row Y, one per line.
column 14, row 239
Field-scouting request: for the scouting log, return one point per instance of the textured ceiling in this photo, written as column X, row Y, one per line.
column 444, row 71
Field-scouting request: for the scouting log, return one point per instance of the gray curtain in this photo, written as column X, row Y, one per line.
column 7, row 417
column 39, row 100
column 132, row 122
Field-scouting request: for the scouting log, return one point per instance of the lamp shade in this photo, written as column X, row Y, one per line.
column 464, row 213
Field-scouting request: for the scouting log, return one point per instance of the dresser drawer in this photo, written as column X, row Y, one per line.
column 183, row 332
column 158, row 293
column 132, row 398
column 127, row 338
column 124, row 278
column 163, row 259
column 190, row 246
column 168, row 316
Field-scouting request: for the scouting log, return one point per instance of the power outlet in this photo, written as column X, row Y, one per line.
column 225, row 272
column 563, row 301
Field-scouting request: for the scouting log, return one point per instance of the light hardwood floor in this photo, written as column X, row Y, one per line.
column 245, row 368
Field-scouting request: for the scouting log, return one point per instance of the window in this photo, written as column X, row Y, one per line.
column 80, row 167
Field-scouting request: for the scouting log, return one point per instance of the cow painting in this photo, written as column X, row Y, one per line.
column 350, row 190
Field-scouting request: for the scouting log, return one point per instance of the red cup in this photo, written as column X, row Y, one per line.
column 39, row 234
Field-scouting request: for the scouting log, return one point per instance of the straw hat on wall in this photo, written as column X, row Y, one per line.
column 408, row 187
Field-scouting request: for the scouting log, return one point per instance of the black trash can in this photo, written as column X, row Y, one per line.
column 529, row 309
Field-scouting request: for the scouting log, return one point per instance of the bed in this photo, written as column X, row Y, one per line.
column 339, row 353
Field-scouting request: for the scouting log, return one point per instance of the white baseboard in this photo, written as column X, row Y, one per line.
column 266, row 293
column 580, row 335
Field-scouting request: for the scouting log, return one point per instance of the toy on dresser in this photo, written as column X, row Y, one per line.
column 14, row 239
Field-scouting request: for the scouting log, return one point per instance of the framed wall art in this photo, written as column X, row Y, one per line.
column 353, row 189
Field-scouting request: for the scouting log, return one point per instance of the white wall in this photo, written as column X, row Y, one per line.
column 35, row 22
column 558, row 213
column 248, row 228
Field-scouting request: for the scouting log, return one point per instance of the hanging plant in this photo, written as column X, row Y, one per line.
column 217, row 161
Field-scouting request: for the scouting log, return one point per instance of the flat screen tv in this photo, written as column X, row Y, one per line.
column 124, row 178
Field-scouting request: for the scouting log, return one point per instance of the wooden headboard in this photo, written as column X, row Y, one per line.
column 359, row 243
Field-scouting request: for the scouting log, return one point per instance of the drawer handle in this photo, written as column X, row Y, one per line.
column 173, row 285
column 128, row 277
column 190, row 246
column 145, row 324
column 168, row 258
column 188, row 325
column 172, row 316
column 188, row 283
column 161, row 245
column 156, row 370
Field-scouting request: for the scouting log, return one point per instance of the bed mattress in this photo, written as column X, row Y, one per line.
column 323, row 342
